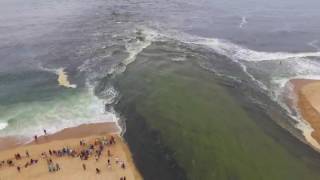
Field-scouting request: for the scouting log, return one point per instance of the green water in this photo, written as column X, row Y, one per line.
column 211, row 135
column 32, row 101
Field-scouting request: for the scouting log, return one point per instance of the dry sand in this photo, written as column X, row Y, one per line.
column 308, row 93
column 71, row 167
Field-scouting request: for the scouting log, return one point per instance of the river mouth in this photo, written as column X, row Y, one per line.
column 203, row 126
column 176, row 72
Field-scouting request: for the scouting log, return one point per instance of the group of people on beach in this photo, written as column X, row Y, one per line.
column 35, row 137
column 53, row 167
column 96, row 150
column 17, row 157
column 85, row 152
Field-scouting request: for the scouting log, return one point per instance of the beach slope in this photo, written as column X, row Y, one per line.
column 71, row 166
column 308, row 93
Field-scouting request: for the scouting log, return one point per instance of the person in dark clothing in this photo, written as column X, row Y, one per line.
column 98, row 171
column 57, row 167
column 27, row 154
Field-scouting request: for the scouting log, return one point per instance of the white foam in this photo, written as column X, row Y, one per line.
column 307, row 130
column 134, row 48
column 279, row 85
column 239, row 54
column 57, row 114
column 109, row 94
column 283, row 89
column 242, row 53
column 3, row 125
column 235, row 51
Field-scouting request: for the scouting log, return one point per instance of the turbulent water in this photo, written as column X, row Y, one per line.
column 261, row 44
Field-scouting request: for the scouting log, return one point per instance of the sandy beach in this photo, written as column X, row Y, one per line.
column 308, row 103
column 70, row 155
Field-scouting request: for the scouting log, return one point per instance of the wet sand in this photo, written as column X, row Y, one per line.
column 71, row 167
column 308, row 103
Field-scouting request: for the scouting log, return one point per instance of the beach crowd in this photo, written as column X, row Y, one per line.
column 96, row 149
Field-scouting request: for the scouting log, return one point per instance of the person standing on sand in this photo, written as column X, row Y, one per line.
column 123, row 166
column 109, row 164
column 27, row 154
column 45, row 132
column 18, row 168
column 84, row 167
column 35, row 138
column 97, row 170
column 57, row 167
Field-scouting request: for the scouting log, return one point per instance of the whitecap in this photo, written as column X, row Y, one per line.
column 242, row 53
column 59, row 113
column 3, row 125
column 143, row 39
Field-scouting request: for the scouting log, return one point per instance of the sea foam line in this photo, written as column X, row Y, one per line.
column 238, row 54
column 234, row 51
column 134, row 49
column 242, row 53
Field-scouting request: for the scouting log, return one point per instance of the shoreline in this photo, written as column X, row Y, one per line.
column 307, row 106
column 66, row 133
column 71, row 166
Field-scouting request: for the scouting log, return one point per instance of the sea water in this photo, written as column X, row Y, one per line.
column 270, row 42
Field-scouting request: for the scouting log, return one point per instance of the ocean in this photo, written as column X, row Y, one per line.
column 257, row 45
